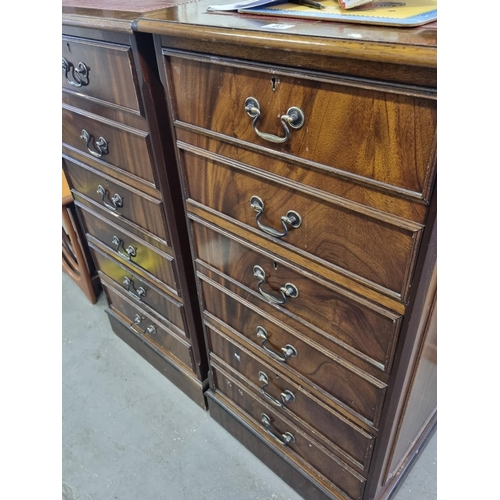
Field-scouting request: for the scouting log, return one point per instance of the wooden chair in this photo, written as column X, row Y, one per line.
column 76, row 260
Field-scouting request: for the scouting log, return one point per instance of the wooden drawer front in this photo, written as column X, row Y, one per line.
column 135, row 207
column 363, row 396
column 152, row 298
column 371, row 249
column 313, row 453
column 288, row 172
column 366, row 329
column 129, row 249
column 127, row 149
column 110, row 71
column 149, row 328
column 236, row 310
column 350, row 442
column 384, row 137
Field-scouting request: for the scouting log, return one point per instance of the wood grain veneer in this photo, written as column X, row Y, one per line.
column 126, row 191
column 127, row 150
column 361, row 172
column 398, row 151
column 111, row 74
column 137, row 208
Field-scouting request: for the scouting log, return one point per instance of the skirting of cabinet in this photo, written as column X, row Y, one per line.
column 284, row 468
column 190, row 386
column 269, row 455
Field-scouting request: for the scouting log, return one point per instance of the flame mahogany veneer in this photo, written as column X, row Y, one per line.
column 278, row 189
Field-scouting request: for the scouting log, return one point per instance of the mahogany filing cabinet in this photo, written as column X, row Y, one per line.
column 125, row 192
column 280, row 184
column 308, row 165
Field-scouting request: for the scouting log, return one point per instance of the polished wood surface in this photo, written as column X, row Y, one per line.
column 340, row 435
column 306, row 448
column 408, row 55
column 124, row 194
column 285, row 466
column 361, row 395
column 327, row 183
column 111, row 74
column 190, row 15
column 127, row 149
column 103, row 212
column 368, row 331
column 417, row 324
column 150, row 303
column 113, row 16
column 119, row 271
column 168, row 175
column 362, row 174
column 371, row 249
column 137, row 208
column 129, row 249
column 211, row 95
column 396, row 55
column 279, row 252
column 239, row 310
column 421, row 405
column 168, row 341
column 121, row 6
column 111, row 171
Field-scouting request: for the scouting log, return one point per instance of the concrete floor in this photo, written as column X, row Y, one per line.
column 129, row 434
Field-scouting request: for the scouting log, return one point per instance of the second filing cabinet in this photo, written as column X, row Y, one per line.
column 309, row 194
column 126, row 194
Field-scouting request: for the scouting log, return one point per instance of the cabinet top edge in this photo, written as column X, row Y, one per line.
column 314, row 44
column 415, row 46
column 189, row 19
column 95, row 19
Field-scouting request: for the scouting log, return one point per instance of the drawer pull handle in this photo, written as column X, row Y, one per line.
column 289, row 290
column 79, row 75
column 130, row 250
column 285, row 439
column 294, row 118
column 288, row 351
column 116, row 199
column 129, row 284
column 151, row 330
column 286, row 396
column 101, row 144
column 292, row 218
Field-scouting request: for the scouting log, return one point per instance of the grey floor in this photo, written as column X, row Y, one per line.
column 129, row 434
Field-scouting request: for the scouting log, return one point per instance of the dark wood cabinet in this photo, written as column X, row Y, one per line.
column 310, row 192
column 261, row 206
column 127, row 195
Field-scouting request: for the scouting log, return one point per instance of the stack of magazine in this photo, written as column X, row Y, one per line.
column 398, row 13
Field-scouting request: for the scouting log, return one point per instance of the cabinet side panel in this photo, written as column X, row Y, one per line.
column 409, row 414
column 422, row 399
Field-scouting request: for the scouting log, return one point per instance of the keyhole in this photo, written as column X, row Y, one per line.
column 69, row 48
column 275, row 264
column 273, row 83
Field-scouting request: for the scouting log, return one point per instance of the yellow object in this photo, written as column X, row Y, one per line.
column 391, row 13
